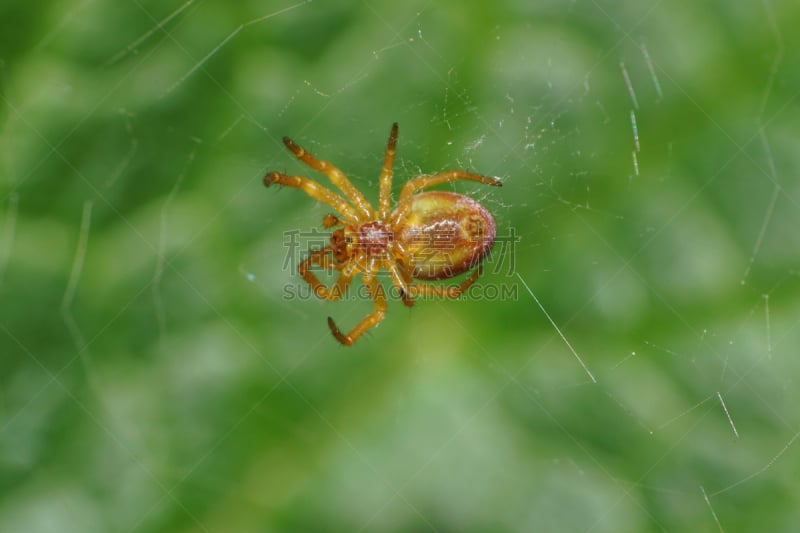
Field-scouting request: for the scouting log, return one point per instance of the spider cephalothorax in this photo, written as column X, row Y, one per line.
column 429, row 236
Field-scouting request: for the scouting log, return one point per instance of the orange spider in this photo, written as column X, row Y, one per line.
column 433, row 235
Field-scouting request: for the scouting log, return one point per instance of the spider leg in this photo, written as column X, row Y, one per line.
column 369, row 321
column 385, row 179
column 314, row 190
column 423, row 182
column 446, row 291
column 336, row 176
column 323, row 259
column 401, row 280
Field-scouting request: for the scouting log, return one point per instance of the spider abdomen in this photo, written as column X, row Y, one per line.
column 445, row 234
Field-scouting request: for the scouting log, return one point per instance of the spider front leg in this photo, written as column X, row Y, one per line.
column 385, row 179
column 369, row 321
column 314, row 190
column 336, row 176
column 443, row 291
column 323, row 259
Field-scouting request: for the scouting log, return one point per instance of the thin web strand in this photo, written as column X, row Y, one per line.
column 635, row 129
column 133, row 147
column 629, row 85
column 776, row 61
column 78, row 338
column 776, row 189
column 710, row 508
column 162, row 247
column 762, row 469
column 727, row 414
column 768, row 327
column 684, row 413
column 652, row 70
column 558, row 330
column 80, row 256
column 225, row 41
column 135, row 44
column 9, row 231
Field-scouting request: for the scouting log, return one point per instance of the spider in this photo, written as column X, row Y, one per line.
column 432, row 235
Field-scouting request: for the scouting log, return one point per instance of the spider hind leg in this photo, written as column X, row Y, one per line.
column 446, row 291
column 323, row 259
column 369, row 321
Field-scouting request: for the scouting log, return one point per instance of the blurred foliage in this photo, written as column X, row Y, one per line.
column 155, row 376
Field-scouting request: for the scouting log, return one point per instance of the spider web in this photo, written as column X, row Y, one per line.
column 627, row 363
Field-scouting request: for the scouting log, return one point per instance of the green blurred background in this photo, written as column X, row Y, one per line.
column 155, row 377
